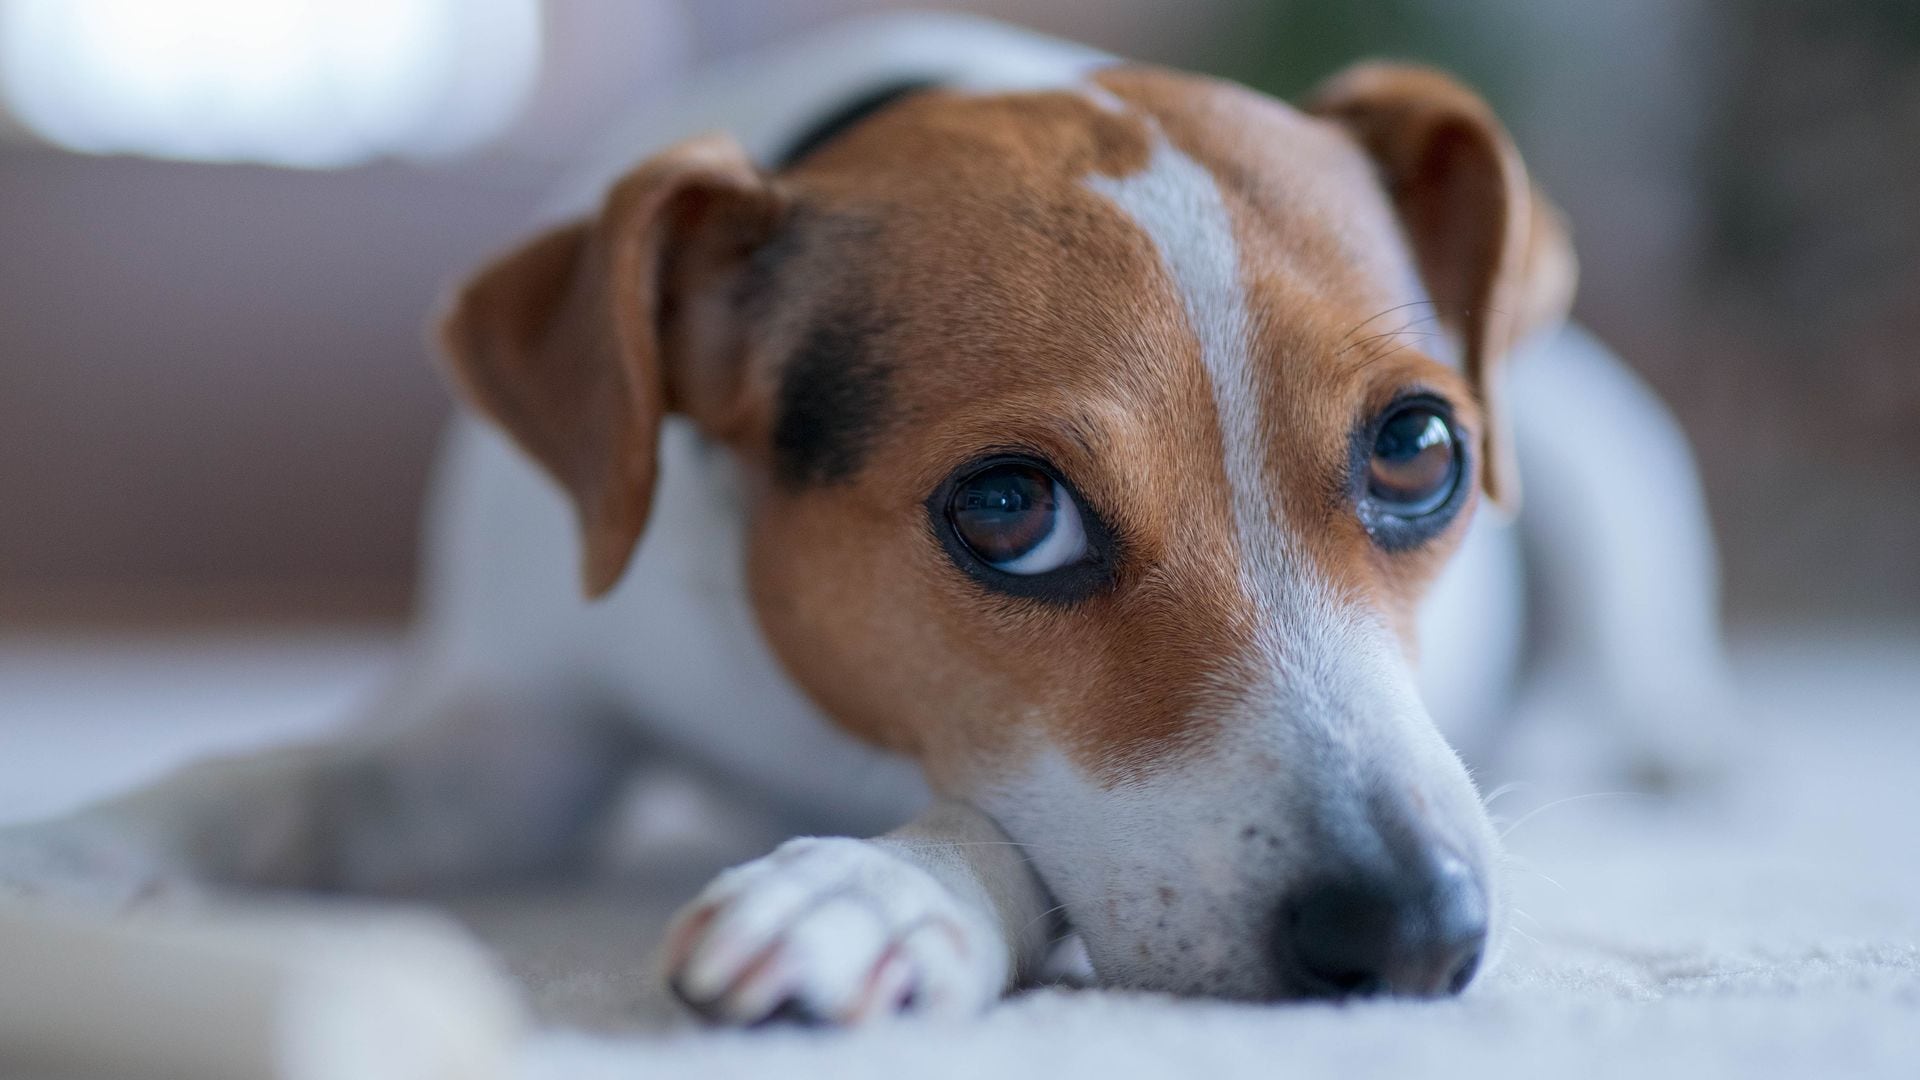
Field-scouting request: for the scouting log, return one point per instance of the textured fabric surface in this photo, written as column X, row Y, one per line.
column 1768, row 928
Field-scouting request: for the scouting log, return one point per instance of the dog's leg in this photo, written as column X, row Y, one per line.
column 1620, row 559
column 940, row 916
column 452, row 787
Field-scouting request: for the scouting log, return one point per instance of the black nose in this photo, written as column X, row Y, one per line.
column 1412, row 932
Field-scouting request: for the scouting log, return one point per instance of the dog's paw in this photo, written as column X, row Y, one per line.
column 832, row 931
column 84, row 866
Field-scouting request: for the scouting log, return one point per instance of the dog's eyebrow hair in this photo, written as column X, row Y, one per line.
column 833, row 402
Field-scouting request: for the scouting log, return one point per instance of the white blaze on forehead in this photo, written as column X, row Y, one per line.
column 1305, row 634
column 1177, row 204
column 1171, row 873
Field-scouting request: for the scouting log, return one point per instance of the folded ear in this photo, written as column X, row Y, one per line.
column 1492, row 252
column 578, row 342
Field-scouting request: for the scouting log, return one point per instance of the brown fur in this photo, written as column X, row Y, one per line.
column 1492, row 250
column 578, row 343
column 1011, row 307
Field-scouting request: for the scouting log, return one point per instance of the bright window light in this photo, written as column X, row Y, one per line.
column 312, row 83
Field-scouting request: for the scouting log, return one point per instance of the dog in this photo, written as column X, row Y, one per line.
column 1112, row 472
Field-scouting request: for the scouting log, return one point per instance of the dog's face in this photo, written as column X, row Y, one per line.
column 1102, row 443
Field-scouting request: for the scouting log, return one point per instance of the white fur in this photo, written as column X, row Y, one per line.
column 675, row 644
column 1176, row 203
column 841, row 927
column 849, row 930
column 1173, row 875
column 676, row 653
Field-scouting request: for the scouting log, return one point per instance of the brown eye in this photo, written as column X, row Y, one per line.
column 1415, row 464
column 1018, row 519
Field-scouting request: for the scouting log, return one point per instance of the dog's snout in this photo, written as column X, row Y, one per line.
column 1415, row 932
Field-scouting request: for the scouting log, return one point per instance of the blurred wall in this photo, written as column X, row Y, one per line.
column 1739, row 175
column 213, row 389
column 214, row 398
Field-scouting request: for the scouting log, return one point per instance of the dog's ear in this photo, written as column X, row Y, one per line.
column 1492, row 252
column 578, row 342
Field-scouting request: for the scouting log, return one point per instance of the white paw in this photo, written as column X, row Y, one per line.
column 85, row 866
column 836, row 931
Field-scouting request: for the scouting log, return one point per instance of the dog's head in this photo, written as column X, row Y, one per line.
column 1101, row 443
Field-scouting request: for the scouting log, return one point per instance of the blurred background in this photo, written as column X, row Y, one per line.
column 222, row 223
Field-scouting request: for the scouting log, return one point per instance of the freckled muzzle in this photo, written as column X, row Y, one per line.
column 1327, row 844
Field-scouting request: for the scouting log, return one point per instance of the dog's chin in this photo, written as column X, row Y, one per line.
column 1181, row 966
column 1211, row 984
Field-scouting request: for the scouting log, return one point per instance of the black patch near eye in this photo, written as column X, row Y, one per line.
column 833, row 404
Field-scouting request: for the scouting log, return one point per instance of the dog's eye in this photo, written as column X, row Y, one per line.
column 1018, row 519
column 1415, row 464
column 1408, row 469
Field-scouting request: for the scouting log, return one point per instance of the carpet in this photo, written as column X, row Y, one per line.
column 1767, row 927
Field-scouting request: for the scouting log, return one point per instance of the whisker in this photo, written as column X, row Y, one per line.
column 1386, row 355
column 1538, row 810
column 1543, row 876
column 1062, row 907
column 1031, row 923
column 1407, row 330
column 966, row 843
column 1058, row 938
column 1362, row 324
column 1520, row 863
column 1507, row 788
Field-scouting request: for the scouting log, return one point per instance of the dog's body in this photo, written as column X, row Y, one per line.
column 1202, row 737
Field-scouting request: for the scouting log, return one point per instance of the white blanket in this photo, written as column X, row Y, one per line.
column 1771, row 929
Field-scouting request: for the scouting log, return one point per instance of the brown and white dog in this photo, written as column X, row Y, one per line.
column 1086, row 435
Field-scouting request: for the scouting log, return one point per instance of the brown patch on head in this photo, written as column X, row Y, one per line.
column 1493, row 251
column 939, row 283
column 1340, row 324
column 1003, row 305
column 578, row 342
column 1394, row 246
column 1009, row 310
